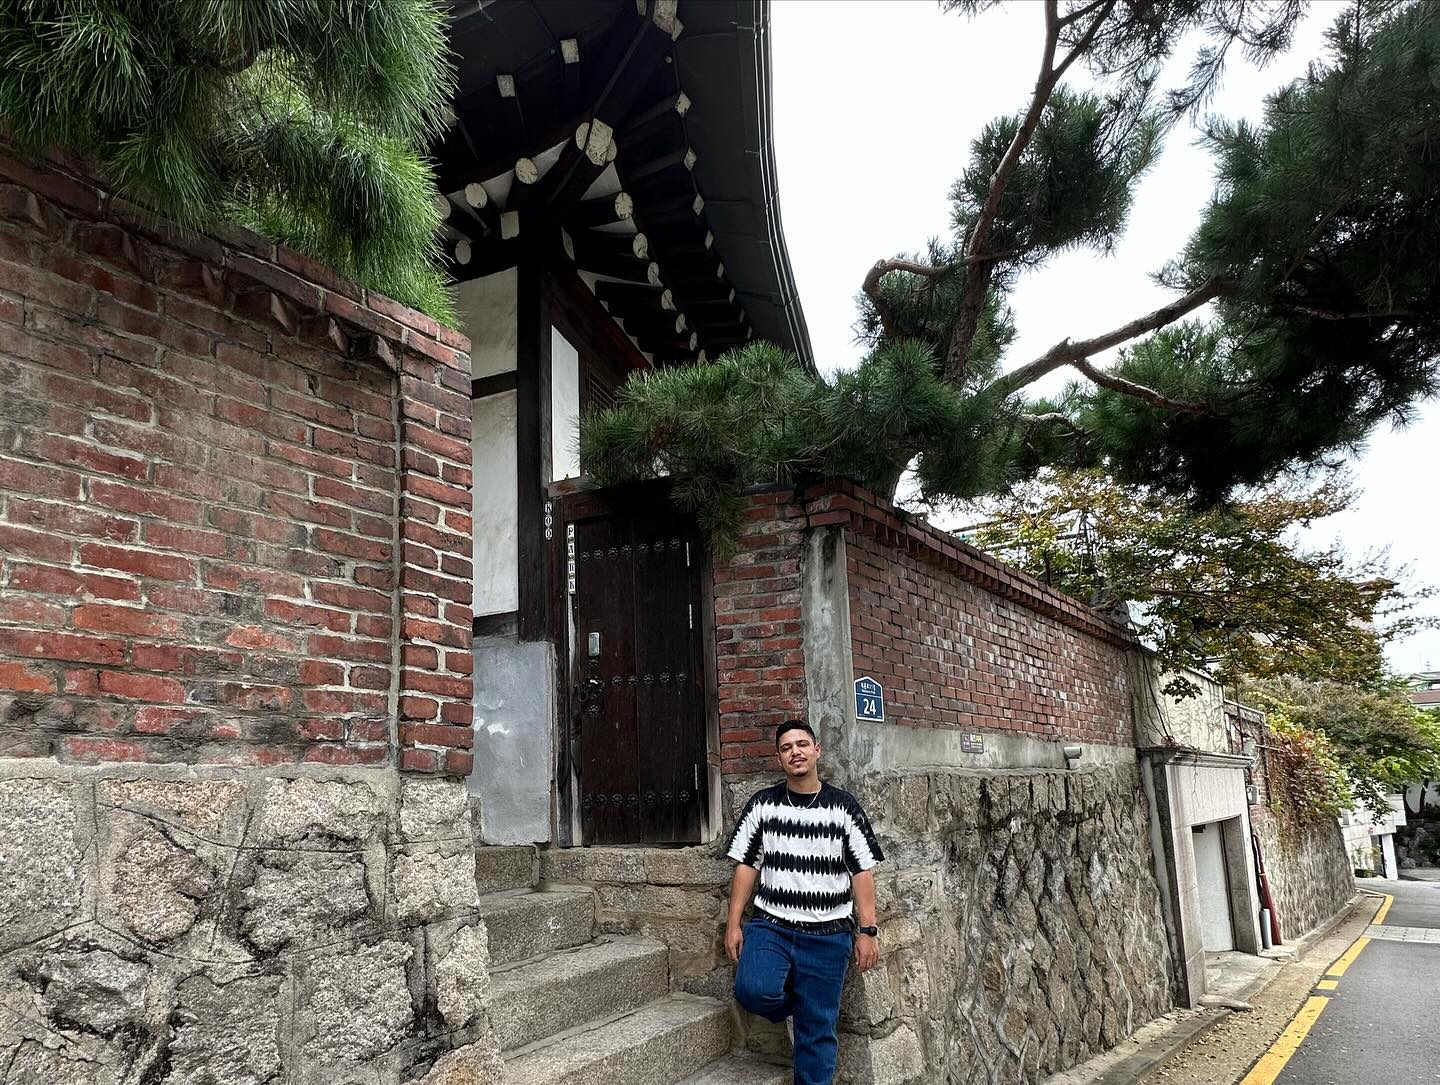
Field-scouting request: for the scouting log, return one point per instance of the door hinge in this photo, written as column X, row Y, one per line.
column 690, row 611
column 697, row 779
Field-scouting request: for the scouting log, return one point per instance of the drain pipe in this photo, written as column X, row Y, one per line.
column 1269, row 921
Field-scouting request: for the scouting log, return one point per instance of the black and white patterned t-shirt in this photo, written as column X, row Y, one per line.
column 806, row 847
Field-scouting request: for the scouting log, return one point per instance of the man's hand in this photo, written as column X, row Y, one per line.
column 867, row 952
column 734, row 940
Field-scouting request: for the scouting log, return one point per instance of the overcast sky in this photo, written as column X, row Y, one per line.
column 875, row 106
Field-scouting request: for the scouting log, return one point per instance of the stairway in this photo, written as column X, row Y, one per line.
column 570, row 1008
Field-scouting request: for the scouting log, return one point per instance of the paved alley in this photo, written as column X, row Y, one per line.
column 1372, row 1017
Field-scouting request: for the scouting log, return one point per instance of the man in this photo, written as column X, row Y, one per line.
column 811, row 848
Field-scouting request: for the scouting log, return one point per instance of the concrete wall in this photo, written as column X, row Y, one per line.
column 174, row 925
column 1188, row 789
column 514, row 744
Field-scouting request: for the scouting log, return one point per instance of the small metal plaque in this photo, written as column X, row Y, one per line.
column 869, row 700
column 972, row 743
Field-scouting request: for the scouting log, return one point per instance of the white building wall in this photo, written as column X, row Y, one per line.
column 564, row 408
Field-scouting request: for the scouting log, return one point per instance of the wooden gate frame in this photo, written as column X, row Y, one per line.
column 572, row 501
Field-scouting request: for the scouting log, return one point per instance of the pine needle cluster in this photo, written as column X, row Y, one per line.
column 304, row 120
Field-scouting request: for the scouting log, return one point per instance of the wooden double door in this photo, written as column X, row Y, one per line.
column 634, row 580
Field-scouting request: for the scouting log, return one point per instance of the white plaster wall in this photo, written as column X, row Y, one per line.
column 497, row 576
column 564, row 408
column 487, row 309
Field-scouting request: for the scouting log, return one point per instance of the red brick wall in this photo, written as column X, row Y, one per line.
column 208, row 454
column 957, row 639
column 759, row 660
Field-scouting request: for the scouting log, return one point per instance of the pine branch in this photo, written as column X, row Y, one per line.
column 871, row 286
column 1068, row 352
column 1056, row 418
column 977, row 282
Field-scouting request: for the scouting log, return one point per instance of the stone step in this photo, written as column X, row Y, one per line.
column 659, row 1044
column 739, row 1070
column 565, row 990
column 502, row 867
column 526, row 923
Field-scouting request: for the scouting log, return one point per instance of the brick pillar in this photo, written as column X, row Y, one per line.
column 435, row 684
column 759, row 656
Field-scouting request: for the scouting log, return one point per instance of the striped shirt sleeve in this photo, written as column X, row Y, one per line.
column 862, row 850
column 745, row 843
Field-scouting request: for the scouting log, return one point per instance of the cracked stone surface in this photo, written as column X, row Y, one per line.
column 156, row 886
column 317, row 812
column 93, row 989
column 41, row 887
column 462, row 978
column 360, row 1002
column 309, row 899
column 228, row 1033
column 433, row 810
column 427, row 885
column 218, row 931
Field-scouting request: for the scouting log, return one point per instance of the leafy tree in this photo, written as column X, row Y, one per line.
column 304, row 120
column 1223, row 588
column 1383, row 742
column 1305, row 308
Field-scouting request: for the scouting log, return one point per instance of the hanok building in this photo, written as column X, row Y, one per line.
column 610, row 208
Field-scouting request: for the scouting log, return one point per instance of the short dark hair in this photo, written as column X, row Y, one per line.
column 790, row 725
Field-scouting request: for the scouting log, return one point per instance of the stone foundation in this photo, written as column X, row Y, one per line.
column 1020, row 922
column 1309, row 872
column 210, row 927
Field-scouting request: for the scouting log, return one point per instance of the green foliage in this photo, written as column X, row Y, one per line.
column 755, row 416
column 1308, row 783
column 1382, row 741
column 304, row 120
column 1318, row 253
column 1222, row 589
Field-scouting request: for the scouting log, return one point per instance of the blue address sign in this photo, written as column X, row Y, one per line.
column 869, row 700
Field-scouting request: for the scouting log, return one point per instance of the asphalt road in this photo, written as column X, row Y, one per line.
column 1381, row 1021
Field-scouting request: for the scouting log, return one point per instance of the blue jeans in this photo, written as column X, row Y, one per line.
column 789, row 973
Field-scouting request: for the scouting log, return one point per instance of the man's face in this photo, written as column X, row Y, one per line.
column 797, row 752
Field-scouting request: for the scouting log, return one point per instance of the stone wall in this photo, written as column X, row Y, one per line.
column 1308, row 869
column 226, row 927
column 1022, row 925
column 234, row 499
column 1020, row 922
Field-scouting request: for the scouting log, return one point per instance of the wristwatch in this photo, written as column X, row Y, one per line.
column 873, row 932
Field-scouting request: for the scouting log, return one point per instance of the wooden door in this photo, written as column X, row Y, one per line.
column 637, row 697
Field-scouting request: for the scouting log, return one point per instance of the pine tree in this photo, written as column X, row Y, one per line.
column 1305, row 309
column 304, row 120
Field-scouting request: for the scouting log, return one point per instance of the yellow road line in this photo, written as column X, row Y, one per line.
column 1273, row 1061
column 1384, row 909
column 1348, row 957
column 1328, row 985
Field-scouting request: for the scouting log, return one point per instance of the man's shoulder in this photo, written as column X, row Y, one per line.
column 838, row 796
column 770, row 794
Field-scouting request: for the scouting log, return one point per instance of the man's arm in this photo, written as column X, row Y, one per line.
column 867, row 949
column 741, row 886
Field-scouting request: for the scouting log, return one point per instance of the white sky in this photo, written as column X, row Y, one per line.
column 876, row 102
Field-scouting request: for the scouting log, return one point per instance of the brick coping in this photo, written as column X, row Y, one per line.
column 294, row 286
column 846, row 503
